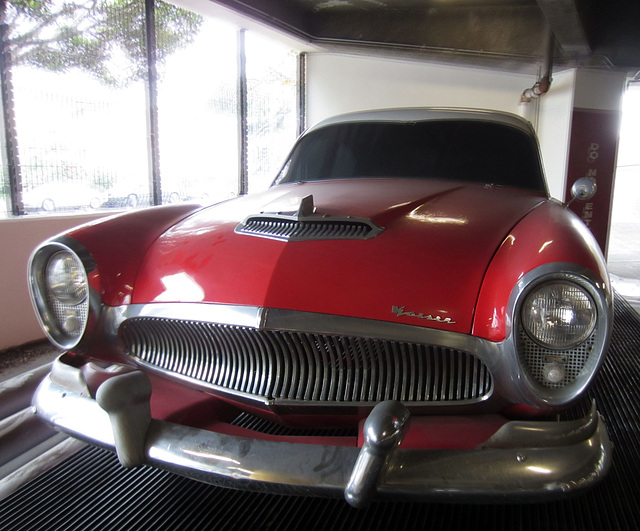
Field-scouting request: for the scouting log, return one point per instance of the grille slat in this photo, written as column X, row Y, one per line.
column 303, row 366
column 291, row 229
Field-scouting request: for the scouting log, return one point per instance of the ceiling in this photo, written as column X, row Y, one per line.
column 509, row 34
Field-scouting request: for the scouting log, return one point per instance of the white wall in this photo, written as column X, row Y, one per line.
column 18, row 237
column 339, row 83
column 554, row 129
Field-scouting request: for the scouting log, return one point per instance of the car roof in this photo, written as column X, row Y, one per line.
column 428, row 114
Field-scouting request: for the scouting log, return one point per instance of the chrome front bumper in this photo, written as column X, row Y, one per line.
column 523, row 461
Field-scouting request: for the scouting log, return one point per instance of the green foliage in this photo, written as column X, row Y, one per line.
column 103, row 37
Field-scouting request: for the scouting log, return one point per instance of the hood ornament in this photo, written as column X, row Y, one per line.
column 306, row 207
column 400, row 312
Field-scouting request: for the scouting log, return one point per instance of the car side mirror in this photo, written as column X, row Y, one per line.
column 583, row 189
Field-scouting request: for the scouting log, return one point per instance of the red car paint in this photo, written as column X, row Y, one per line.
column 119, row 243
column 549, row 234
column 202, row 260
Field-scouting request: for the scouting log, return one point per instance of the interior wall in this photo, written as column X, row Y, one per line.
column 18, row 323
column 554, row 129
column 339, row 83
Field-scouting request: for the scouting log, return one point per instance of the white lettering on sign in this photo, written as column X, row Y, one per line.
column 587, row 213
column 592, row 156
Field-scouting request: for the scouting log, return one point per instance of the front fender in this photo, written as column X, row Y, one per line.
column 117, row 245
column 548, row 234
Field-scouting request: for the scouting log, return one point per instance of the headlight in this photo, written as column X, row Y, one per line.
column 60, row 292
column 559, row 315
column 66, row 278
column 562, row 325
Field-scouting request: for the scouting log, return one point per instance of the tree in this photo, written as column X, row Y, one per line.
column 103, row 37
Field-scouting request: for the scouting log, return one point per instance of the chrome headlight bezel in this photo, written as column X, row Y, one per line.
column 60, row 292
column 557, row 374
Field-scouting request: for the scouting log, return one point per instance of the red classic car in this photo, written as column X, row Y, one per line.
column 401, row 315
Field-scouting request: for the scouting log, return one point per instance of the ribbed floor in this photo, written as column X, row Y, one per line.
column 91, row 491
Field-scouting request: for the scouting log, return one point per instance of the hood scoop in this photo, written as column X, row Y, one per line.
column 306, row 225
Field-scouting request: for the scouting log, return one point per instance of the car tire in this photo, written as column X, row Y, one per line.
column 132, row 201
column 48, row 205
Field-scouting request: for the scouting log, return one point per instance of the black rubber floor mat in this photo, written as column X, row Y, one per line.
column 91, row 490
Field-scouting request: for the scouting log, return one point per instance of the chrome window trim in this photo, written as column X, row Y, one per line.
column 430, row 114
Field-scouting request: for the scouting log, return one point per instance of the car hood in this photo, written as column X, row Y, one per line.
column 425, row 268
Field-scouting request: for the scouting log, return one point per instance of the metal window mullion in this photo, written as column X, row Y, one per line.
column 243, row 120
column 302, row 93
column 11, row 154
column 152, row 103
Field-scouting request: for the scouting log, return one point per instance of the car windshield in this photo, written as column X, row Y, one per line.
column 470, row 151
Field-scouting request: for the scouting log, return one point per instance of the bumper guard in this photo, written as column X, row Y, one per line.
column 524, row 461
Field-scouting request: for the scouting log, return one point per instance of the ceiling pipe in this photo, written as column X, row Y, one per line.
column 543, row 84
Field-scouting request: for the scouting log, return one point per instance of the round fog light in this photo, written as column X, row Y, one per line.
column 71, row 325
column 554, row 372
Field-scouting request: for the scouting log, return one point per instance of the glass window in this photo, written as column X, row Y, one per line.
column 624, row 235
column 197, row 111
column 272, row 111
column 469, row 151
column 79, row 103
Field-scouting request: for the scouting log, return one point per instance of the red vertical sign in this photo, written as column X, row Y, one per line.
column 592, row 153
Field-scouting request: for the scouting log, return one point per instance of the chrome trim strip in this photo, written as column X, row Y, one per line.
column 297, row 321
column 226, row 314
column 238, row 396
column 532, row 472
column 310, row 324
column 316, row 407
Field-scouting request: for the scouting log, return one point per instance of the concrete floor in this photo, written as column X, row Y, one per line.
column 19, row 360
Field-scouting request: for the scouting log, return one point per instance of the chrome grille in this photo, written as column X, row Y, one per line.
column 305, row 366
column 304, row 230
